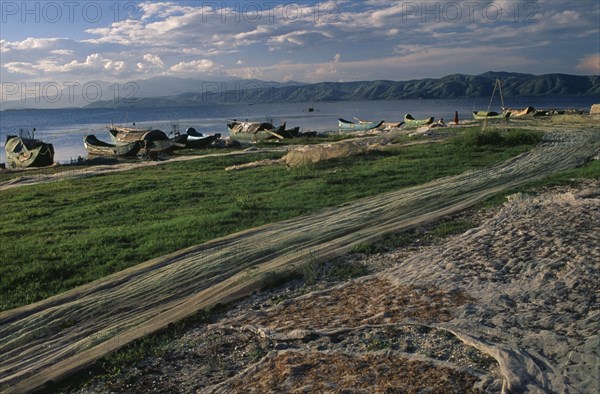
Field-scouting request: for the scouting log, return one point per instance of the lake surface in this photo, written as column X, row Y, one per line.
column 66, row 128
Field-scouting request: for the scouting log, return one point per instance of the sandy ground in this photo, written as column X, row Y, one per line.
column 53, row 338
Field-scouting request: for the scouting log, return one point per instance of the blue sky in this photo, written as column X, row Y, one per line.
column 308, row 41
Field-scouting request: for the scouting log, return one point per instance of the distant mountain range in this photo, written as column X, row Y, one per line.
column 449, row 87
column 180, row 92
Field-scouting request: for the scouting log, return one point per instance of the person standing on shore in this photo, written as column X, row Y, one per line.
column 455, row 117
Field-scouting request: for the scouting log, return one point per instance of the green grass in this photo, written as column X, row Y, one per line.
column 497, row 137
column 61, row 235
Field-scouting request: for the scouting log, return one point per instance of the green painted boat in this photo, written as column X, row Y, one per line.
column 481, row 115
column 27, row 152
column 410, row 121
column 361, row 125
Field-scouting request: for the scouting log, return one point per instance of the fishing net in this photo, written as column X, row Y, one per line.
column 308, row 154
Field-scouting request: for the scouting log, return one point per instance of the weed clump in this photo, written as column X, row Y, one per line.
column 494, row 137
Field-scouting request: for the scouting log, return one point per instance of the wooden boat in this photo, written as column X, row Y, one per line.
column 254, row 131
column 284, row 133
column 27, row 152
column 197, row 140
column 391, row 126
column 100, row 148
column 361, row 125
column 518, row 112
column 481, row 115
column 125, row 135
column 410, row 121
column 153, row 140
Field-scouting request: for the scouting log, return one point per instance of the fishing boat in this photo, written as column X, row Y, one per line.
column 27, row 152
column 518, row 112
column 254, row 131
column 284, row 133
column 360, row 125
column 410, row 121
column 387, row 126
column 153, row 140
column 481, row 115
column 96, row 147
column 197, row 140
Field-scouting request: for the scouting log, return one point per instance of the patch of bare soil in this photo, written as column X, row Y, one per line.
column 318, row 372
column 371, row 301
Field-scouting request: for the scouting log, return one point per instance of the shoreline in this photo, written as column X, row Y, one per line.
column 71, row 132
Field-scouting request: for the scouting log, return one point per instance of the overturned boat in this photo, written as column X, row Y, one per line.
column 95, row 147
column 360, row 125
column 27, row 152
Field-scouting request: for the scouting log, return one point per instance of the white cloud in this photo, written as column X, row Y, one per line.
column 301, row 38
column 154, row 60
column 29, row 44
column 65, row 52
column 94, row 63
column 203, row 66
column 328, row 70
column 590, row 64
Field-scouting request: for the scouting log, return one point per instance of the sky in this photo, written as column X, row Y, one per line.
column 72, row 41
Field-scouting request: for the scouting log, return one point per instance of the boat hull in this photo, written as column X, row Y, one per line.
column 481, row 115
column 95, row 147
column 519, row 112
column 348, row 126
column 26, row 153
column 194, row 142
column 410, row 121
column 152, row 140
column 250, row 131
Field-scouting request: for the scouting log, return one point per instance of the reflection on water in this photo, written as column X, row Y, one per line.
column 66, row 128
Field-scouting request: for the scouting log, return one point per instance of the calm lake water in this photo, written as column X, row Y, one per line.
column 66, row 128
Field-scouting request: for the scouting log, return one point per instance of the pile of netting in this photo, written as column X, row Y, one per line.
column 308, row 154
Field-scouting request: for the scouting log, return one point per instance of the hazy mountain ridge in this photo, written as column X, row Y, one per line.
column 448, row 87
column 171, row 91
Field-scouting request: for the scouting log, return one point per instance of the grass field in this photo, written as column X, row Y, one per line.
column 63, row 234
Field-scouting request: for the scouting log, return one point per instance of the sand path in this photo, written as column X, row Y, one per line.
column 51, row 339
